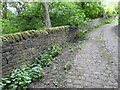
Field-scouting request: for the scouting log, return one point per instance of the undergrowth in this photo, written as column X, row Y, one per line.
column 22, row 76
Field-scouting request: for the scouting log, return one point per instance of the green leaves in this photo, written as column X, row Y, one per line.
column 54, row 50
column 93, row 10
column 36, row 72
column 21, row 77
column 46, row 57
column 4, row 82
column 8, row 27
column 81, row 33
column 30, row 15
column 111, row 9
column 65, row 14
column 2, row 85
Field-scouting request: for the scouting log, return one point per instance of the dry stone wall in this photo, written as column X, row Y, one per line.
column 20, row 48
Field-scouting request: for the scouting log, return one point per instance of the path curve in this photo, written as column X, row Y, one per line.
column 96, row 64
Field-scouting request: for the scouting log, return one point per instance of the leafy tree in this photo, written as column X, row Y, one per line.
column 65, row 14
column 92, row 9
column 34, row 15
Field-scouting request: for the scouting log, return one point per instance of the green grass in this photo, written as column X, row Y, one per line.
column 103, row 23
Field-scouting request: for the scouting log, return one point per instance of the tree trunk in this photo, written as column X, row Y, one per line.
column 46, row 13
column 5, row 9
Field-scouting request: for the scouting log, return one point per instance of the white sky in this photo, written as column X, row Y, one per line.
column 109, row 1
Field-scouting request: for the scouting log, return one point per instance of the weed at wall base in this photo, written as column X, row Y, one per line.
column 21, row 77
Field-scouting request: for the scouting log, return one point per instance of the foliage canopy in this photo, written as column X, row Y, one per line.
column 30, row 15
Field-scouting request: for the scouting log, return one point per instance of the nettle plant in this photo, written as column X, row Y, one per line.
column 21, row 77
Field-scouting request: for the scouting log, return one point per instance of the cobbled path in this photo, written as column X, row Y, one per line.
column 96, row 64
